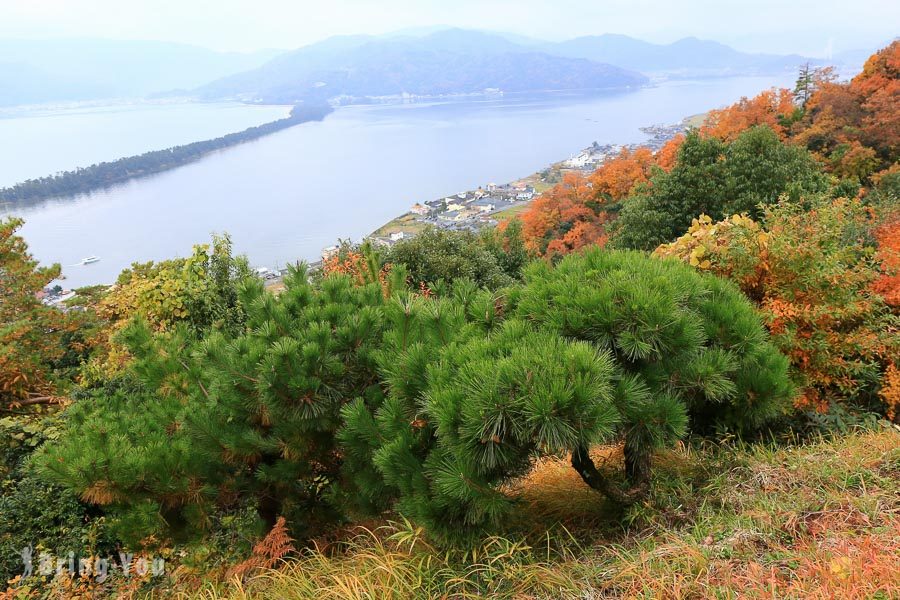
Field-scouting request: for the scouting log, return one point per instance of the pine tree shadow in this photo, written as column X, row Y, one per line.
column 553, row 496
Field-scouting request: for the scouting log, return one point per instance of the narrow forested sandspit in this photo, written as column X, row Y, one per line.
column 105, row 174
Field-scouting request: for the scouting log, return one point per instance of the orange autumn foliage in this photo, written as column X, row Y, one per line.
column 362, row 267
column 888, row 238
column 617, row 177
column 668, row 154
column 811, row 273
column 768, row 108
column 833, row 117
column 854, row 127
column 565, row 218
column 32, row 336
column 268, row 552
column 890, row 390
column 878, row 87
column 573, row 214
column 849, row 560
column 855, row 161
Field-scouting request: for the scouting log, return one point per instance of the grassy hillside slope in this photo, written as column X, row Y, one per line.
column 817, row 520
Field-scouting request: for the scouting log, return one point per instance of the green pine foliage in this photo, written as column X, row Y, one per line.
column 217, row 420
column 697, row 339
column 340, row 396
column 606, row 345
column 124, row 448
column 470, row 401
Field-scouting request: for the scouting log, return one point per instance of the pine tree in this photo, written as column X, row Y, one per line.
column 692, row 351
column 607, row 345
column 427, row 404
column 804, row 86
column 228, row 418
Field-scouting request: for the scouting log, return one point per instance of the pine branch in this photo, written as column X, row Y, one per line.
column 199, row 381
column 44, row 400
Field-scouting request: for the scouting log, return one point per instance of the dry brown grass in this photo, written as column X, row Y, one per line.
column 814, row 521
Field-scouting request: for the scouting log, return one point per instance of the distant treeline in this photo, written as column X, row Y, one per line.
column 105, row 174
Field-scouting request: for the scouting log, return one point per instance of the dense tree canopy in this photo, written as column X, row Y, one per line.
column 199, row 292
column 716, row 178
column 567, row 217
column 491, row 259
column 773, row 108
column 857, row 122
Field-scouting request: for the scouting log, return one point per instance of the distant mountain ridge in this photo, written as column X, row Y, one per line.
column 426, row 61
column 688, row 56
column 446, row 62
column 36, row 71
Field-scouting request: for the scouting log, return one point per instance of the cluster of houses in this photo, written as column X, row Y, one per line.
column 55, row 296
column 472, row 207
column 467, row 210
column 596, row 154
column 592, row 157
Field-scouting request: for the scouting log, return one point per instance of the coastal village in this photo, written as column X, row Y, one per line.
column 483, row 207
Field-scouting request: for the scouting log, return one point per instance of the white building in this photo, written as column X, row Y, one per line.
column 580, row 160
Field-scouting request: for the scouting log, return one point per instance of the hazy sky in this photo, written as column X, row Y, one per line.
column 810, row 27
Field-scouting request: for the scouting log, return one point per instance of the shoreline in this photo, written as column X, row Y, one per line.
column 483, row 207
column 409, row 224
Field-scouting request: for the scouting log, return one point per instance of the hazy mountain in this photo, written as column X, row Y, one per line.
column 421, row 61
column 445, row 62
column 852, row 61
column 24, row 84
column 52, row 70
column 516, row 38
column 688, row 56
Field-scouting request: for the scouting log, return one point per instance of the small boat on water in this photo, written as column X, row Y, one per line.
column 90, row 259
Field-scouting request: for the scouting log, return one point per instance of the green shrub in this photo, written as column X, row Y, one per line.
column 606, row 345
column 218, row 421
column 491, row 259
column 46, row 518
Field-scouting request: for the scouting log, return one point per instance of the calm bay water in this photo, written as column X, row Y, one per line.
column 286, row 196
